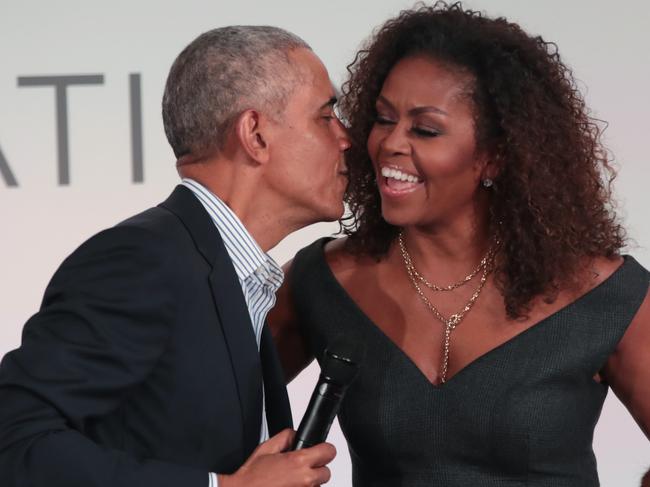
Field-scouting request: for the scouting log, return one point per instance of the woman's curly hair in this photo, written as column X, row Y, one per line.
column 551, row 201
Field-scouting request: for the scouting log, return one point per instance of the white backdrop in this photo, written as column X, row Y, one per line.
column 41, row 221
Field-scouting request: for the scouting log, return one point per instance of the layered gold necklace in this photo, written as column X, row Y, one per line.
column 450, row 323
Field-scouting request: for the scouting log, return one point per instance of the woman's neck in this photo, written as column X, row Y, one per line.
column 446, row 252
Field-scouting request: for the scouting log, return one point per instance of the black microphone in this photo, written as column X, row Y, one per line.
column 340, row 366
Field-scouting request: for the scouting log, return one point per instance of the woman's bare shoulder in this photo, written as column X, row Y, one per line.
column 344, row 263
column 593, row 272
column 603, row 267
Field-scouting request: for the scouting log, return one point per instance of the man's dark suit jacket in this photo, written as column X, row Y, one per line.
column 141, row 368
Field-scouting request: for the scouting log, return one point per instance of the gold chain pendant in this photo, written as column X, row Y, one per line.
column 451, row 322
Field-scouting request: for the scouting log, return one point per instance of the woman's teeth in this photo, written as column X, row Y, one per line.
column 391, row 173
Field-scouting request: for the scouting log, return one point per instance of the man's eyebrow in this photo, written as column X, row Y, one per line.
column 329, row 103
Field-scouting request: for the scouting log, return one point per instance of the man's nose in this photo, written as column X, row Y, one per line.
column 342, row 136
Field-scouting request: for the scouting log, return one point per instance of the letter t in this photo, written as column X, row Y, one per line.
column 60, row 84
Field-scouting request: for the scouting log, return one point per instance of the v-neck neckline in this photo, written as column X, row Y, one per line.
column 484, row 356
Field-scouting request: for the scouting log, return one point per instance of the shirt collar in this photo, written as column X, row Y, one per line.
column 246, row 255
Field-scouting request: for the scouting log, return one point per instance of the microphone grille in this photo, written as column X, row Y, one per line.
column 341, row 360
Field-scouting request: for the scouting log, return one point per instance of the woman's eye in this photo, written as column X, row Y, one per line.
column 425, row 132
column 383, row 120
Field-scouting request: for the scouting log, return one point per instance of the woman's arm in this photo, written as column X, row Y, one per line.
column 628, row 371
column 287, row 333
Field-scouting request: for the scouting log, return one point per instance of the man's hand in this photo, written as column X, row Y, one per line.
column 271, row 465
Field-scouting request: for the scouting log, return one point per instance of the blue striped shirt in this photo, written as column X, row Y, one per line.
column 259, row 275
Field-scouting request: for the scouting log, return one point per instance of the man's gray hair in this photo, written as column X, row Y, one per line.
column 222, row 73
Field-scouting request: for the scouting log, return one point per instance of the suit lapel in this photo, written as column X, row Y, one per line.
column 278, row 410
column 244, row 357
column 231, row 307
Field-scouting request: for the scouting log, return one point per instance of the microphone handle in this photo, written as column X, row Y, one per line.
column 323, row 406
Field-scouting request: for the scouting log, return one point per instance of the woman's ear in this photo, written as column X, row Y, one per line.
column 491, row 164
column 490, row 170
column 251, row 132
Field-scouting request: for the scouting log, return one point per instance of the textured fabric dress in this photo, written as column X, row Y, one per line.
column 523, row 414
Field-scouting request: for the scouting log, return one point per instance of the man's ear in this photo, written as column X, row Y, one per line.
column 250, row 130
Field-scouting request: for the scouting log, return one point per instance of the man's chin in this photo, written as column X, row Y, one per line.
column 333, row 213
column 340, row 211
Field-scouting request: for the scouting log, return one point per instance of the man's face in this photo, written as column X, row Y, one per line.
column 306, row 150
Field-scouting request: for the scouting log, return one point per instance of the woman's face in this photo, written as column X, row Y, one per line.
column 423, row 146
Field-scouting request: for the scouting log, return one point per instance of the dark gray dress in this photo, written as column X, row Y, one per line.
column 523, row 414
